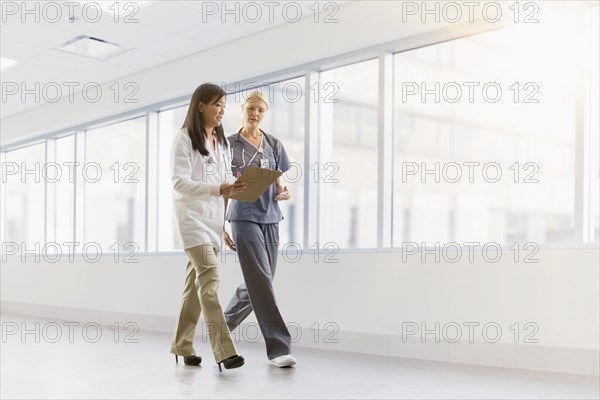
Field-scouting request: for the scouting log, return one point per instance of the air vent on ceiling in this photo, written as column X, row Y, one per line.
column 91, row 47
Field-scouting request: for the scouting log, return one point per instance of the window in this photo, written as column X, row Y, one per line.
column 63, row 192
column 24, row 198
column 169, row 123
column 484, row 136
column 486, row 148
column 347, row 171
column 114, row 182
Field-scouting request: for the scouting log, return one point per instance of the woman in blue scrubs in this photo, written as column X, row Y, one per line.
column 255, row 231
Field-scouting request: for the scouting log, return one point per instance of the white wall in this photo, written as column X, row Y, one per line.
column 368, row 296
column 365, row 292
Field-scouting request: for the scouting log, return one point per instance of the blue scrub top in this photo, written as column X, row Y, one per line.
column 264, row 210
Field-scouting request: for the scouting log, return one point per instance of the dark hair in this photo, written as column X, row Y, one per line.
column 207, row 93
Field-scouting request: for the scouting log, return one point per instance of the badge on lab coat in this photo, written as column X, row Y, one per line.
column 264, row 163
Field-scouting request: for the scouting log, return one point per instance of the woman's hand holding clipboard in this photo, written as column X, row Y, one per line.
column 257, row 180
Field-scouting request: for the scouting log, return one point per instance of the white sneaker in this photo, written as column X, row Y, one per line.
column 283, row 361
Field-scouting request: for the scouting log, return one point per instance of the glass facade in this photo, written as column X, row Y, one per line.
column 484, row 134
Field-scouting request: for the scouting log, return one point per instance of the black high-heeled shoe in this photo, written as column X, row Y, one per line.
column 189, row 360
column 231, row 362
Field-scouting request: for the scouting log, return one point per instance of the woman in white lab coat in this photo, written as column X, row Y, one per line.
column 201, row 176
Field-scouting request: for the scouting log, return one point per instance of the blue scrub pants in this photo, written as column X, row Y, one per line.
column 257, row 246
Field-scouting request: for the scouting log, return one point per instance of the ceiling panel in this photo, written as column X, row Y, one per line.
column 129, row 35
column 163, row 31
column 103, row 72
column 39, row 68
column 196, row 5
column 168, row 17
column 61, row 60
column 175, row 46
column 215, row 32
column 138, row 59
column 21, row 41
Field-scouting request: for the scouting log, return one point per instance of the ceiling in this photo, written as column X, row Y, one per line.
column 155, row 32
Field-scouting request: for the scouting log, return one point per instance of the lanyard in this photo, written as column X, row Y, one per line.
column 216, row 147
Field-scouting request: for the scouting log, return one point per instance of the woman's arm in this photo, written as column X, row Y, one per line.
column 281, row 192
column 226, row 238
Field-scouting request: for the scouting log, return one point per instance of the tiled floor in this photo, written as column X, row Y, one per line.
column 75, row 367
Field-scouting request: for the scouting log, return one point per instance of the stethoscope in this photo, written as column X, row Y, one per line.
column 259, row 150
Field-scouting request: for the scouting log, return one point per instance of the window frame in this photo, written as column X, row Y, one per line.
column 384, row 52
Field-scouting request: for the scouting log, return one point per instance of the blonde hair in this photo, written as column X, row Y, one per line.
column 257, row 95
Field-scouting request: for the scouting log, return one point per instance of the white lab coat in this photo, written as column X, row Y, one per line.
column 199, row 208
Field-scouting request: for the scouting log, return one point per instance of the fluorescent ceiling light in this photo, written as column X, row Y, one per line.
column 122, row 7
column 92, row 47
column 6, row 62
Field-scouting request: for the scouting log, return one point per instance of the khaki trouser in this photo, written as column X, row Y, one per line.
column 201, row 293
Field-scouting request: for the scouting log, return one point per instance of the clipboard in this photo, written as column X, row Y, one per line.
column 257, row 181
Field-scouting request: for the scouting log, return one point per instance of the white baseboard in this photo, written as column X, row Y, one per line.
column 505, row 355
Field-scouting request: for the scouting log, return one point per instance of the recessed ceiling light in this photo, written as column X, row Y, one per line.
column 6, row 62
column 91, row 47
